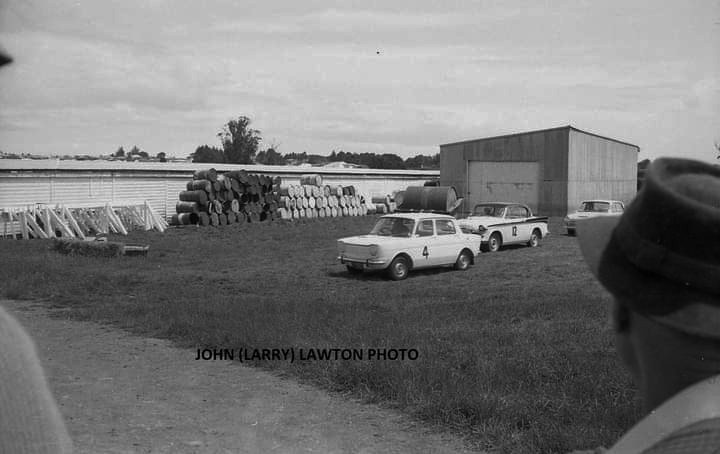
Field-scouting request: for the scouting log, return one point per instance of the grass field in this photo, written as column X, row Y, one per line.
column 515, row 353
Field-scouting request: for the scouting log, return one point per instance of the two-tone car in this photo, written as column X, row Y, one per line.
column 402, row 242
column 502, row 223
column 592, row 209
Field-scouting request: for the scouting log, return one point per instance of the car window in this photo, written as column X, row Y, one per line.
column 617, row 207
column 516, row 212
column 488, row 210
column 392, row 226
column 445, row 227
column 597, row 207
column 425, row 228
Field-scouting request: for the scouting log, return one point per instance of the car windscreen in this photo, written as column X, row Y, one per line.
column 399, row 227
column 595, row 206
column 489, row 210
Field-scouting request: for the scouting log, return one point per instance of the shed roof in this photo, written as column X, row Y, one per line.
column 568, row 127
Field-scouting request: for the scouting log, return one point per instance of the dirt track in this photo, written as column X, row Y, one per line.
column 121, row 393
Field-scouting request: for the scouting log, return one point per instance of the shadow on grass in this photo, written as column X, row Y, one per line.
column 380, row 275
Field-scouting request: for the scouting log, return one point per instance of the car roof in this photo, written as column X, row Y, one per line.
column 601, row 200
column 418, row 215
column 500, row 204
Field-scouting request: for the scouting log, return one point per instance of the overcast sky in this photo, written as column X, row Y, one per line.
column 368, row 76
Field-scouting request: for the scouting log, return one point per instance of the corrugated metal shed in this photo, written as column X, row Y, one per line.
column 551, row 170
column 27, row 182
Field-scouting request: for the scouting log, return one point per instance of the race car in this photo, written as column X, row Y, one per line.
column 592, row 209
column 502, row 223
column 402, row 242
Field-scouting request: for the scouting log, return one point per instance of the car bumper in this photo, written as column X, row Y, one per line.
column 368, row 264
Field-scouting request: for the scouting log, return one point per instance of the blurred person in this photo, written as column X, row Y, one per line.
column 30, row 422
column 661, row 263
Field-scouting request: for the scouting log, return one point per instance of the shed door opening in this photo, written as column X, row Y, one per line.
column 503, row 181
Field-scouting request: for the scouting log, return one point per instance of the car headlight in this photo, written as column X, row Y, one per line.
column 482, row 229
column 374, row 250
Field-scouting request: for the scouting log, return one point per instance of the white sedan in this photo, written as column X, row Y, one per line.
column 592, row 209
column 405, row 241
column 500, row 223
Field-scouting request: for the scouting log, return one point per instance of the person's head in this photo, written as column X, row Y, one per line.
column 661, row 262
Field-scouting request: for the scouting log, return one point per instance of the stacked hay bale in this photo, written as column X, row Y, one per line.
column 313, row 199
column 227, row 198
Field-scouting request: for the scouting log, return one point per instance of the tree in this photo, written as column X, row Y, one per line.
column 239, row 141
column 423, row 162
column 206, row 153
column 270, row 157
column 641, row 168
column 162, row 157
column 120, row 153
column 135, row 151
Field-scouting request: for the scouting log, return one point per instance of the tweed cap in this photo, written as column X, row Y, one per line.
column 662, row 256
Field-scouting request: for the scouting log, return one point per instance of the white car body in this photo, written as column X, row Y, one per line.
column 426, row 240
column 592, row 209
column 503, row 223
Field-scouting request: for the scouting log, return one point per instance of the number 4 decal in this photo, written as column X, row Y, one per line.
column 514, row 230
column 425, row 252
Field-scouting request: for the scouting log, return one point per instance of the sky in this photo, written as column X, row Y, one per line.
column 359, row 76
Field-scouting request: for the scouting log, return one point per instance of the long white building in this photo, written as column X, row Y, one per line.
column 81, row 183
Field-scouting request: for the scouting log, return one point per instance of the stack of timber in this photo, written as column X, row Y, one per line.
column 313, row 199
column 213, row 198
column 42, row 221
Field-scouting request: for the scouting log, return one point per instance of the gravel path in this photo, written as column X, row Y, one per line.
column 120, row 393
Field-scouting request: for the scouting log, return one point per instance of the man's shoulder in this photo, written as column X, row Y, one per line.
column 702, row 437
column 691, row 417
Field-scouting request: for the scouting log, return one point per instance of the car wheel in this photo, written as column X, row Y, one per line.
column 463, row 261
column 534, row 238
column 354, row 270
column 571, row 232
column 494, row 242
column 398, row 269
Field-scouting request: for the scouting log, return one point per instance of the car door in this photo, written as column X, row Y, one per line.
column 448, row 242
column 423, row 250
column 518, row 230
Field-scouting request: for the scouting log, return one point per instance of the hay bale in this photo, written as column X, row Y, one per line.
column 88, row 248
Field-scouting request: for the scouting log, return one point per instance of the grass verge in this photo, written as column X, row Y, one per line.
column 515, row 353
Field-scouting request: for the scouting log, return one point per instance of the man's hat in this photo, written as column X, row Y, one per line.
column 662, row 256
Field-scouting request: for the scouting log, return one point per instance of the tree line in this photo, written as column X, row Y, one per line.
column 239, row 144
column 136, row 153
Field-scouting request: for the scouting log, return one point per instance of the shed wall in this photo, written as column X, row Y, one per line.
column 548, row 148
column 600, row 168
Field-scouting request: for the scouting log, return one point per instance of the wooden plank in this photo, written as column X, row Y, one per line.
column 23, row 225
column 72, row 222
column 114, row 221
column 60, row 224
column 46, row 221
column 37, row 231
